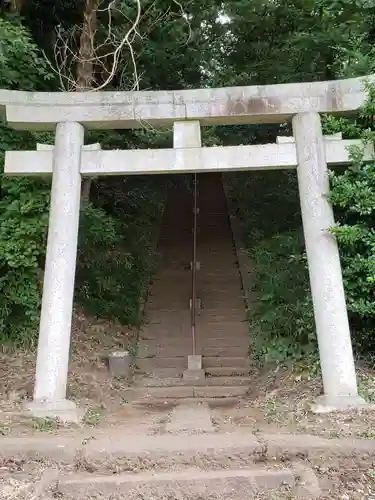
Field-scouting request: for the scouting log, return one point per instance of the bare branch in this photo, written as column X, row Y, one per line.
column 78, row 54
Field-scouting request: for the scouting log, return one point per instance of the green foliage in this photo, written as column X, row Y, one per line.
column 283, row 323
column 21, row 65
column 24, row 202
column 117, row 247
column 45, row 424
column 23, row 228
column 278, row 41
column 257, row 196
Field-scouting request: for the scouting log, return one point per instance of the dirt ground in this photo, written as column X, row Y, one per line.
column 90, row 384
column 25, row 481
column 278, row 402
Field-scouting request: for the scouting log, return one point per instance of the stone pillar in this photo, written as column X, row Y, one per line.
column 57, row 304
column 331, row 318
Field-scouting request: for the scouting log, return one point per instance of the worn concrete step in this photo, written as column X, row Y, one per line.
column 190, row 484
column 172, row 273
column 208, row 381
column 208, row 321
column 211, row 371
column 165, row 305
column 225, row 312
column 218, row 304
column 203, row 342
column 167, row 321
column 218, row 282
column 189, row 391
column 166, row 403
column 161, row 373
column 168, row 300
column 180, row 314
column 147, row 365
column 214, row 361
column 222, row 294
column 171, row 327
column 206, row 339
column 160, row 331
column 211, row 327
column 150, row 351
column 219, row 315
column 227, row 371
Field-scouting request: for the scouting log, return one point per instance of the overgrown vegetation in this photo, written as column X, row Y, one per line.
column 283, row 322
column 118, row 226
column 197, row 43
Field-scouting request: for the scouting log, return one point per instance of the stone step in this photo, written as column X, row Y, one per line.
column 219, row 303
column 211, row 371
column 205, row 334
column 166, row 299
column 219, row 328
column 207, row 304
column 149, row 351
column 188, row 391
column 120, row 450
column 167, row 403
column 221, row 273
column 168, row 305
column 227, row 371
column 147, row 364
column 205, row 320
column 190, row 484
column 240, row 341
column 214, row 361
column 208, row 381
column 220, row 315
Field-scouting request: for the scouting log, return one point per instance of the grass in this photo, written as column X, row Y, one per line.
column 45, row 424
column 93, row 416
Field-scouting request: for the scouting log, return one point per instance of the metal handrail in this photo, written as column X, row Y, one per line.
column 194, row 267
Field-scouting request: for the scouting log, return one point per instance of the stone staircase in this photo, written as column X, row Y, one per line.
column 221, row 327
column 201, row 464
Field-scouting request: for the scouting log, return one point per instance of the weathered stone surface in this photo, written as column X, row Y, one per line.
column 187, row 485
column 235, row 105
column 327, row 289
column 164, row 161
column 59, row 276
column 49, row 448
column 190, row 418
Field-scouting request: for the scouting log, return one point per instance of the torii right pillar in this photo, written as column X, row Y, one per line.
column 330, row 312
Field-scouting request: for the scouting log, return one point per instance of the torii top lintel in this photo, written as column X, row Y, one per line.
column 217, row 106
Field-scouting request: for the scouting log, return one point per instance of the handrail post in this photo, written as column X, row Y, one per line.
column 194, row 267
column 187, row 135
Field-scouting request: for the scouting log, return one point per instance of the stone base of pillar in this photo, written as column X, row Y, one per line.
column 63, row 409
column 327, row 404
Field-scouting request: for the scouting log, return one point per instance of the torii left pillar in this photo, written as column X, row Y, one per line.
column 57, row 303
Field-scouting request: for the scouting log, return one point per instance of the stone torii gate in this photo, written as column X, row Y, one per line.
column 187, row 110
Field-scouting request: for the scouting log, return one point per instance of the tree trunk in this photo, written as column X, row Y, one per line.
column 16, row 5
column 85, row 66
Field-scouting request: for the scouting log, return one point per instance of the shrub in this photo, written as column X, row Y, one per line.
column 282, row 325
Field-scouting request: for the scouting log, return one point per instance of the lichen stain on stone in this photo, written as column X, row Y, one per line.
column 334, row 98
column 254, row 105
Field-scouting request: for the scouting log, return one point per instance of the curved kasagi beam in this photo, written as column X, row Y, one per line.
column 220, row 106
